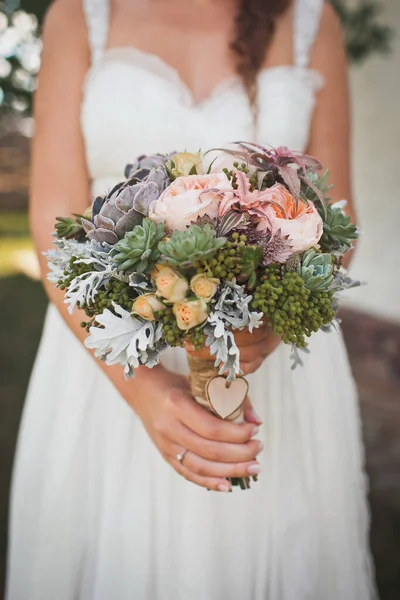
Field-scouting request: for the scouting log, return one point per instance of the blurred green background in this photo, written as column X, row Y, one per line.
column 373, row 339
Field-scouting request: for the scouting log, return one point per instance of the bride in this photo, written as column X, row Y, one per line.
column 97, row 511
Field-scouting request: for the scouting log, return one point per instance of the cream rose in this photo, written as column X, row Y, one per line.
column 188, row 198
column 204, row 287
column 170, row 285
column 182, row 163
column 146, row 305
column 190, row 313
column 301, row 223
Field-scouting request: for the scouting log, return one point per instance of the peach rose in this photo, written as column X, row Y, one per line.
column 301, row 223
column 187, row 198
column 170, row 285
column 204, row 287
column 190, row 313
column 146, row 305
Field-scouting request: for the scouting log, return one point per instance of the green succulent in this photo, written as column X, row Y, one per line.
column 316, row 270
column 249, row 261
column 138, row 250
column 67, row 227
column 338, row 231
column 184, row 248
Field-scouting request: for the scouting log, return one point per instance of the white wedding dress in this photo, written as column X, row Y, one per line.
column 96, row 512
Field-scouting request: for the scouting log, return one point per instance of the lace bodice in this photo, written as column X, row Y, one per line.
column 135, row 103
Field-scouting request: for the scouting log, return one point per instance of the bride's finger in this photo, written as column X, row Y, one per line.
column 249, row 414
column 207, row 468
column 245, row 338
column 258, row 350
column 252, row 366
column 211, row 483
column 216, row 451
column 199, row 420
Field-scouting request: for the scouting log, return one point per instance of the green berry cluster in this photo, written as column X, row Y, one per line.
column 115, row 290
column 291, row 310
column 225, row 265
column 73, row 270
column 231, row 175
column 197, row 337
column 245, row 169
column 171, row 332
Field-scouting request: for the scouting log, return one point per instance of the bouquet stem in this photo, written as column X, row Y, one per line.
column 216, row 394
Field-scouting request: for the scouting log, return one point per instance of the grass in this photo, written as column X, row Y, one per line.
column 16, row 246
column 22, row 306
column 12, row 253
column 14, row 224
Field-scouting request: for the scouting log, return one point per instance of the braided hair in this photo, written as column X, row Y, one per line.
column 254, row 30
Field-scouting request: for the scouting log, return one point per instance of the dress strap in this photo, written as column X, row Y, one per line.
column 97, row 15
column 307, row 16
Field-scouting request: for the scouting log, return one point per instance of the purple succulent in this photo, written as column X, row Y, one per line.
column 281, row 164
column 142, row 166
column 125, row 206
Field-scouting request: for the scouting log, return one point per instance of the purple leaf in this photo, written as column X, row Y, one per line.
column 104, row 222
column 87, row 225
column 316, row 190
column 290, row 177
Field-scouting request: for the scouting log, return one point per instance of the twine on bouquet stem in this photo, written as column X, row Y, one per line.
column 203, row 374
column 201, row 371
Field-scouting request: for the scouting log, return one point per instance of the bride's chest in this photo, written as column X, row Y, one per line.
column 136, row 104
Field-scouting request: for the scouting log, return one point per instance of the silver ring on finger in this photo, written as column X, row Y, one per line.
column 181, row 456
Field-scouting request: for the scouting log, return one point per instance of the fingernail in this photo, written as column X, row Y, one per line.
column 254, row 431
column 224, row 488
column 254, row 469
column 255, row 416
column 260, row 447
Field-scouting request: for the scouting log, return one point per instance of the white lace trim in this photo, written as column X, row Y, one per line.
column 306, row 24
column 97, row 21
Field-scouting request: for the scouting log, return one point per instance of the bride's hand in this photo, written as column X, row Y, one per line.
column 216, row 449
column 254, row 347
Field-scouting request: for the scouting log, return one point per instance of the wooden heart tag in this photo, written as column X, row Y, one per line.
column 226, row 400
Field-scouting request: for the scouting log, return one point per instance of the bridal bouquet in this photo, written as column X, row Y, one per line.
column 190, row 250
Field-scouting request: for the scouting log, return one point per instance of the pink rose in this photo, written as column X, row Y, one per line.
column 301, row 223
column 188, row 198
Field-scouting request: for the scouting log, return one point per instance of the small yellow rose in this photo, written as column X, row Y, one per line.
column 170, row 285
column 185, row 163
column 190, row 313
column 146, row 305
column 156, row 270
column 204, row 287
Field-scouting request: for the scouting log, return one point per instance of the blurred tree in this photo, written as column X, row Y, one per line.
column 364, row 34
column 37, row 7
column 20, row 49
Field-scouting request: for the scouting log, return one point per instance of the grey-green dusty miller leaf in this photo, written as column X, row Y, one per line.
column 126, row 340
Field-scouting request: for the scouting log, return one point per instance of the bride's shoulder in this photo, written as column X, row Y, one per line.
column 64, row 21
column 65, row 42
column 329, row 48
column 330, row 22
